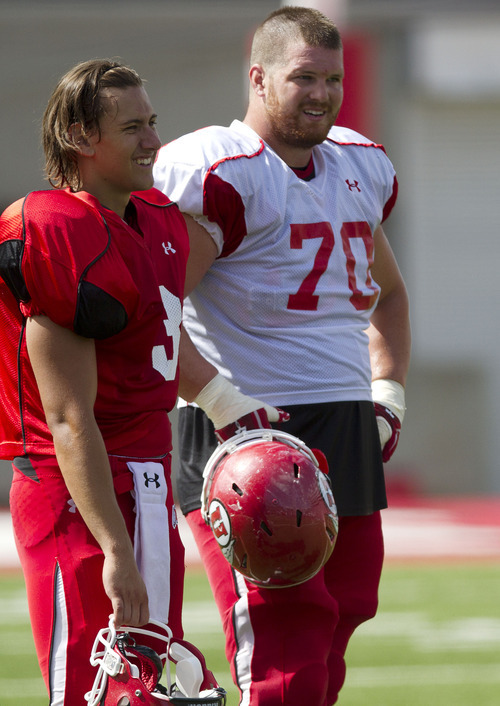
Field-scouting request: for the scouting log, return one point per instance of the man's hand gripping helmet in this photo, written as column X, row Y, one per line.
column 268, row 501
column 129, row 672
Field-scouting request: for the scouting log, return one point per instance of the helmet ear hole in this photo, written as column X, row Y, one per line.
column 266, row 529
column 237, row 489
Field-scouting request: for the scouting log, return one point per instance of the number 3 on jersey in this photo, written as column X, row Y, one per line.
column 305, row 298
column 173, row 309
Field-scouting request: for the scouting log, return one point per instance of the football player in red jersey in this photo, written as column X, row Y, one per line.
column 296, row 299
column 91, row 287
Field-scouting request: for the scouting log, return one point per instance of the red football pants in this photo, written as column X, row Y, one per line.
column 56, row 549
column 286, row 646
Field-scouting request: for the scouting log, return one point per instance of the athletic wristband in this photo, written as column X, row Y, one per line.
column 390, row 394
column 224, row 404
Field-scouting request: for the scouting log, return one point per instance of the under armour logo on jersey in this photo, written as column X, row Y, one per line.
column 169, row 249
column 151, row 479
column 353, row 185
column 72, row 506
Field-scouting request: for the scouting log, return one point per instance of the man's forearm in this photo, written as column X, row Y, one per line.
column 194, row 370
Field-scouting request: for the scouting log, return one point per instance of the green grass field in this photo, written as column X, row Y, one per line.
column 435, row 641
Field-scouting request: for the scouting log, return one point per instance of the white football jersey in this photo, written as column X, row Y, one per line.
column 283, row 310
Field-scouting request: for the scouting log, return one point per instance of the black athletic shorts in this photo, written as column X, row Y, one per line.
column 346, row 432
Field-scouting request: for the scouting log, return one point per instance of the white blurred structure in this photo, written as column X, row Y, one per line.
column 423, row 78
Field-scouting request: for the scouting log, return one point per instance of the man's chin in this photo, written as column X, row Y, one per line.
column 312, row 135
column 308, row 140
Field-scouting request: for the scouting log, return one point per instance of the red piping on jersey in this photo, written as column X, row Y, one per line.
column 237, row 156
column 357, row 144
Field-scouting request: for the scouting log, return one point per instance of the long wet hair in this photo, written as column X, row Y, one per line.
column 76, row 100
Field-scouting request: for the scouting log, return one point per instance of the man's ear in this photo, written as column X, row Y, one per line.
column 257, row 79
column 77, row 136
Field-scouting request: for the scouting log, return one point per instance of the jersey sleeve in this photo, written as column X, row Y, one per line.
column 11, row 250
column 64, row 269
column 182, row 180
column 188, row 171
column 384, row 176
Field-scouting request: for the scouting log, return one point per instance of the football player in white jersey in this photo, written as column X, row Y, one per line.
column 299, row 309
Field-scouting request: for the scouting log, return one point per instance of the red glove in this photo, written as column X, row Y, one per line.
column 253, row 420
column 395, row 428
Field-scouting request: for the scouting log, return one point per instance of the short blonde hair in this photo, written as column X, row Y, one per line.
column 289, row 24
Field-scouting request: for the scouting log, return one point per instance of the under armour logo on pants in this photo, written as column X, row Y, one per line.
column 154, row 479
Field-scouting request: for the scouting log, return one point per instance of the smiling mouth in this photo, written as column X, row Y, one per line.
column 315, row 113
column 144, row 161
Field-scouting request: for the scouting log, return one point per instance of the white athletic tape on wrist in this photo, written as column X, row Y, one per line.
column 391, row 394
column 223, row 403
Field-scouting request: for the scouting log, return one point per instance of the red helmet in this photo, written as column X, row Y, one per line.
column 129, row 673
column 270, row 507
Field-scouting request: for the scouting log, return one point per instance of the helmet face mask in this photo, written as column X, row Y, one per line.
column 129, row 672
column 270, row 508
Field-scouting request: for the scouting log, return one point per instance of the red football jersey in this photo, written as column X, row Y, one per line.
column 65, row 256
